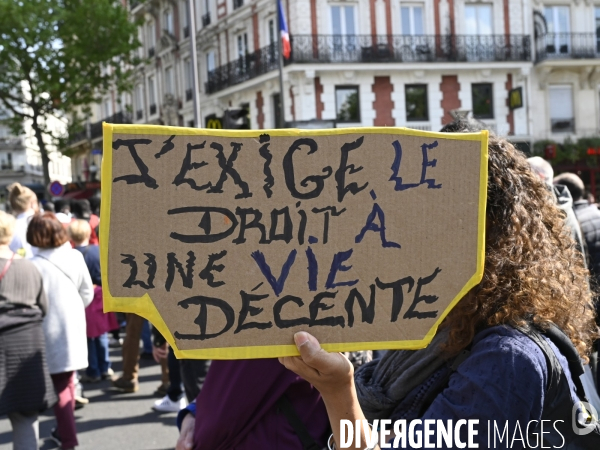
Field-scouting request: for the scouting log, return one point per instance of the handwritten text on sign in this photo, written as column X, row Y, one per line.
column 240, row 240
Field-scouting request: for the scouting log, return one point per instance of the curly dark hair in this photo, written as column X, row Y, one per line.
column 533, row 271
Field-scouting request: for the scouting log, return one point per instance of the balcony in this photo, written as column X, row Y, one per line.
column 77, row 137
column 567, row 46
column 238, row 4
column 96, row 128
column 206, row 19
column 244, row 68
column 372, row 49
column 406, row 48
column 12, row 143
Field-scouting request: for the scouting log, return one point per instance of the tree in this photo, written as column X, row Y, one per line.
column 58, row 56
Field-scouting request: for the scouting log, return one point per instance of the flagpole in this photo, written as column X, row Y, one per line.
column 194, row 62
column 280, row 51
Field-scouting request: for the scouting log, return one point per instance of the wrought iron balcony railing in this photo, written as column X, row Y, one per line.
column 406, row 48
column 373, row 49
column 244, row 68
column 96, row 127
column 206, row 19
column 567, row 45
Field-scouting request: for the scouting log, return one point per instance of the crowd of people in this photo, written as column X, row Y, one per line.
column 512, row 350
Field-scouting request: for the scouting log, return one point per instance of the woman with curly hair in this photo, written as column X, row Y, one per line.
column 502, row 354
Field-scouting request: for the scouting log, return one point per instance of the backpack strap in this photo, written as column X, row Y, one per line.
column 285, row 405
column 564, row 346
column 552, row 364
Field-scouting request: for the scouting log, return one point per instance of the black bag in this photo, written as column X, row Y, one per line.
column 574, row 427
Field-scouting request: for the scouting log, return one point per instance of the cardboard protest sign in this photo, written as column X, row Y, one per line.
column 231, row 241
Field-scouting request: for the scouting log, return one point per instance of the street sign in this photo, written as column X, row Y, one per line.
column 515, row 98
column 215, row 123
column 56, row 189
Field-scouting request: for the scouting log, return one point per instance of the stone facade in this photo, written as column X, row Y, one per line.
column 379, row 47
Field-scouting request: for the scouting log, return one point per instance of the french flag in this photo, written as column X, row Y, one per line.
column 286, row 48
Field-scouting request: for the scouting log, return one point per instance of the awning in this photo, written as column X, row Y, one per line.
column 79, row 195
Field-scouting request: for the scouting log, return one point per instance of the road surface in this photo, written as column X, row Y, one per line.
column 112, row 420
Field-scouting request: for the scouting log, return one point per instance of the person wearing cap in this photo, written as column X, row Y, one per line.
column 24, row 204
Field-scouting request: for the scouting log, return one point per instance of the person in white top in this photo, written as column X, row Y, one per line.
column 69, row 288
column 24, row 204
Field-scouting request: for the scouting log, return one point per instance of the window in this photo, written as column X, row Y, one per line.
column 152, row 95
column 558, row 23
column 411, row 17
column 347, row 106
column 343, row 21
column 482, row 97
column 206, row 16
column 140, row 35
column 272, row 41
column 478, row 19
column 343, row 27
column 151, row 38
column 183, row 7
column 416, row 102
column 169, row 80
column 107, row 108
column 139, row 102
column 188, row 78
column 168, row 20
column 242, row 45
column 272, row 32
column 560, row 99
column 210, row 62
column 597, row 14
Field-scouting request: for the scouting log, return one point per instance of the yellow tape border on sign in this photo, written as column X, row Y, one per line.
column 144, row 306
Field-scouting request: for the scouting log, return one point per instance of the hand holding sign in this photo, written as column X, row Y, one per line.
column 230, row 242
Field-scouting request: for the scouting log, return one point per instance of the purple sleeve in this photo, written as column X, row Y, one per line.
column 235, row 396
column 502, row 380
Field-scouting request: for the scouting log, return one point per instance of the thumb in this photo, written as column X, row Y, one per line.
column 310, row 350
column 189, row 441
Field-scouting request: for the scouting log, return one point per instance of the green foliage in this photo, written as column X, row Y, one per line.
column 349, row 110
column 416, row 102
column 570, row 151
column 58, row 56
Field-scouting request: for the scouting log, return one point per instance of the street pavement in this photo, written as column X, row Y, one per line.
column 113, row 420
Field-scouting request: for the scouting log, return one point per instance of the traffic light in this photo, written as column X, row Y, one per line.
column 236, row 119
